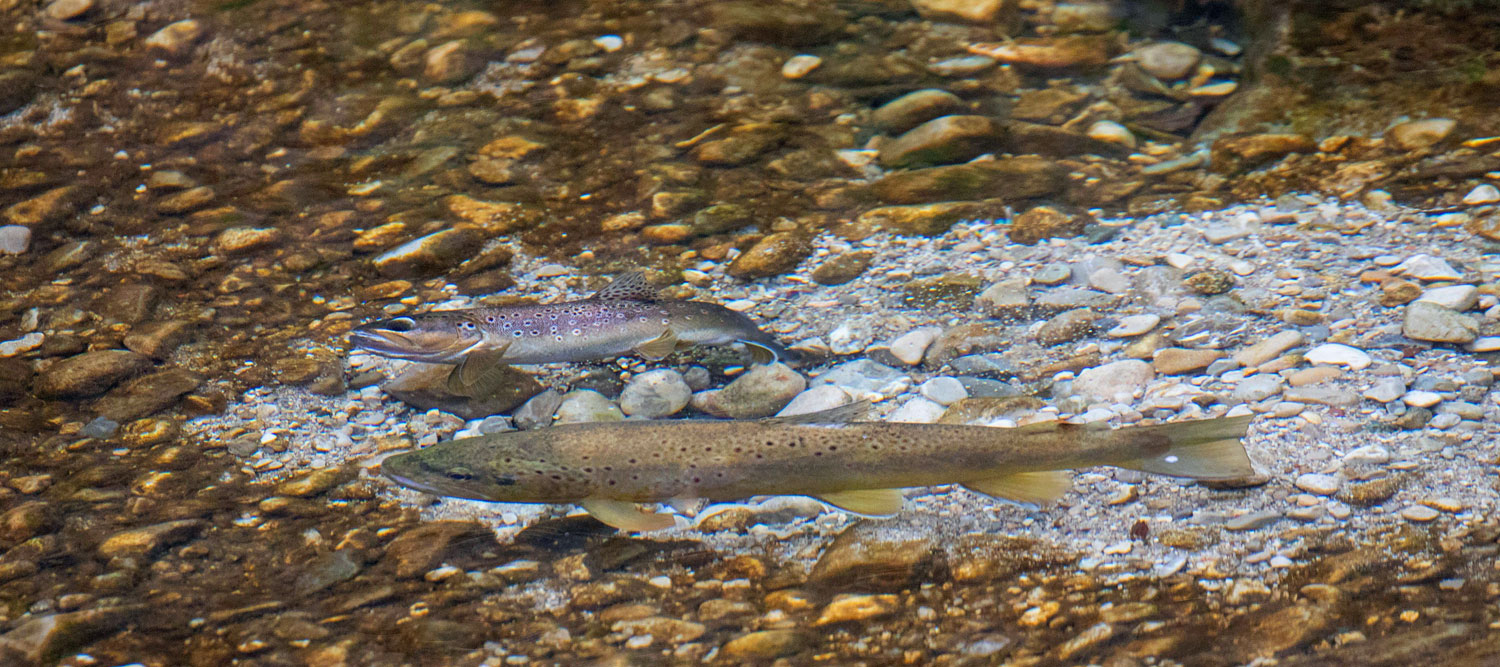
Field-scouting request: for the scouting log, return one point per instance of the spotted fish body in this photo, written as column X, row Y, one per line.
column 856, row 465
column 623, row 318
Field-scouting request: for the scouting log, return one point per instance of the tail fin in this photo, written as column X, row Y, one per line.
column 1205, row 449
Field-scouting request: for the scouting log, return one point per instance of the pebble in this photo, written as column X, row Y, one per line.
column 797, row 67
column 1425, row 320
column 1483, row 193
column 1111, row 132
column 1253, row 520
column 1319, row 484
column 14, row 239
column 944, row 390
column 1109, row 280
column 1368, row 455
column 175, row 38
column 1419, row 134
column 912, row 345
column 917, row 410
column 1177, row 360
column 1455, row 297
column 63, row 10
column 1257, row 388
column 1385, row 390
column 1115, row 382
column 1421, row 399
column 1338, row 354
column 1168, row 60
column 1419, row 513
column 1269, row 348
column 816, row 399
column 1134, row 325
column 760, row 392
column 586, row 405
column 847, row 607
column 655, row 394
column 25, row 343
column 1427, row 267
column 1480, row 344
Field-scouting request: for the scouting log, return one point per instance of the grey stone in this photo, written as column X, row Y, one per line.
column 655, row 394
column 1257, row 387
column 1431, row 322
column 586, row 405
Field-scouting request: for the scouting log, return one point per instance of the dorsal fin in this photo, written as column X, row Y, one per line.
column 842, row 414
column 628, row 286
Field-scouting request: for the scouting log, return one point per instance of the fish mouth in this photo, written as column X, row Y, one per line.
column 399, row 345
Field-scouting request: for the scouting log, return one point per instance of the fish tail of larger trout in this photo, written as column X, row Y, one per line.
column 1205, row 450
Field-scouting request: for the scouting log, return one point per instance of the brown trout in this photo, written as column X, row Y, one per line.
column 858, row 466
column 625, row 317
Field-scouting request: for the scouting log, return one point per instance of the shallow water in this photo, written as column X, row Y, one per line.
column 1119, row 203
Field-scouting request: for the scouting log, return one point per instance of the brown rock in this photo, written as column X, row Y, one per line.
column 918, row 219
column 175, row 38
column 452, row 62
column 246, row 239
column 422, row 548
column 315, row 482
column 1175, row 360
column 972, row 11
column 944, row 140
column 1068, row 326
column 1046, row 222
column 766, row 645
column 89, row 373
column 743, row 144
column 185, row 201
column 1398, row 292
column 429, row 255
column 1235, row 154
column 1420, row 134
column 45, row 639
column 493, row 217
column 148, row 394
column 1006, row 178
column 859, row 559
column 27, row 520
column 843, row 267
column 772, row 256
column 848, row 608
column 47, row 207
column 158, row 339
column 915, row 108
column 143, row 542
column 1049, row 52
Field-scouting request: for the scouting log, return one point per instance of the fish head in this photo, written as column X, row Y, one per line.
column 431, row 338
column 479, row 468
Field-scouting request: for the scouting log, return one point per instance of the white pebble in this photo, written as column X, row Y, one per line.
column 912, row 345
column 1427, row 267
column 1482, row 194
column 944, row 390
column 1338, row 354
column 1422, row 399
column 1134, row 325
column 610, row 43
column 552, row 271
column 1317, row 483
column 918, row 410
column 25, row 343
column 797, row 67
column 14, row 239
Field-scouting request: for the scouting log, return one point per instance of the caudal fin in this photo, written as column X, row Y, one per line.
column 1205, row 449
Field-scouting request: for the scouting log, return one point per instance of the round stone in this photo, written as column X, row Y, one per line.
column 1168, row 60
column 1338, row 354
column 1482, row 194
column 944, row 390
column 14, row 239
column 1134, row 325
column 655, row 394
column 1419, row 513
column 1317, row 483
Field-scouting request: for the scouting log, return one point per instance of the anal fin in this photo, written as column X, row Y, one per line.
column 658, row 347
column 866, row 502
column 1037, row 488
column 626, row 515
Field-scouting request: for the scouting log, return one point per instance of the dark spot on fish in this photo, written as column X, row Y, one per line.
column 459, row 476
column 697, row 480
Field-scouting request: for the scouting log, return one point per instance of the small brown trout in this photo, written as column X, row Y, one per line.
column 858, row 466
column 625, row 317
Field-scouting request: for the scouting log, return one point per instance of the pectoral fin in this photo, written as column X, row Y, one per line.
column 658, row 347
column 1037, row 488
column 479, row 373
column 626, row 515
column 760, row 354
column 866, row 502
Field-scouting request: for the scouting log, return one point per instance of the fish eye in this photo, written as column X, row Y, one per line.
column 400, row 324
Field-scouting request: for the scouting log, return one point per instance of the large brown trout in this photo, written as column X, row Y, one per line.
column 859, row 466
column 625, row 317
